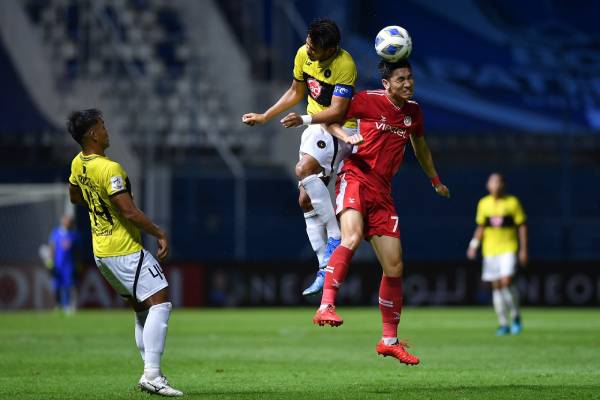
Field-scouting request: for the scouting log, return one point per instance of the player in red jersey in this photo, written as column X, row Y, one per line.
column 387, row 120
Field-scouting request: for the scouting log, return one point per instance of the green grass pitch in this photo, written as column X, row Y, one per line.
column 278, row 353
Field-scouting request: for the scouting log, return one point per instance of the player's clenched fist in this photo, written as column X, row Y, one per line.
column 442, row 190
column 253, row 118
column 292, row 120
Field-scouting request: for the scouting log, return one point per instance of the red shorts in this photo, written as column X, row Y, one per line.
column 377, row 207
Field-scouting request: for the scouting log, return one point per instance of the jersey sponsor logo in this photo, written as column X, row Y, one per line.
column 116, row 183
column 315, row 87
column 496, row 221
column 407, row 120
column 500, row 221
column 382, row 126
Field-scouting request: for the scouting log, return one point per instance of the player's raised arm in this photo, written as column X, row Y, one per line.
column 289, row 99
column 129, row 210
column 423, row 154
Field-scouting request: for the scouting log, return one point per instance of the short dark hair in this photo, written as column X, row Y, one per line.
column 386, row 68
column 324, row 33
column 80, row 122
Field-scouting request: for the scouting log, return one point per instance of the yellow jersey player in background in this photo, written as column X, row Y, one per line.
column 328, row 73
column 102, row 185
column 502, row 231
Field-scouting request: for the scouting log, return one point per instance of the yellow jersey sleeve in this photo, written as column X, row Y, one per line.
column 520, row 216
column 115, row 181
column 299, row 61
column 480, row 217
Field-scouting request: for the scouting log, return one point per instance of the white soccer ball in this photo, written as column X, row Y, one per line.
column 393, row 43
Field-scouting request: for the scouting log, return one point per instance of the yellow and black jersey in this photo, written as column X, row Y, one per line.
column 325, row 79
column 500, row 218
column 100, row 178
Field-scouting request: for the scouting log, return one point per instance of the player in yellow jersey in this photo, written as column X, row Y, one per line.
column 102, row 185
column 328, row 73
column 502, row 231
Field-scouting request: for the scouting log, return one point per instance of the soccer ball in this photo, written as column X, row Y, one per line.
column 393, row 43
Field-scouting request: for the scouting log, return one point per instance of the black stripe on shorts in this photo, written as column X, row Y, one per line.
column 137, row 275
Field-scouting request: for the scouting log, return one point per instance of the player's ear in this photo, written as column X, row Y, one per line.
column 385, row 83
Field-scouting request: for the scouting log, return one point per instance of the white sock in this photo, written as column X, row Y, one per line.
column 321, row 202
column 388, row 341
column 500, row 307
column 155, row 333
column 140, row 321
column 317, row 235
column 511, row 299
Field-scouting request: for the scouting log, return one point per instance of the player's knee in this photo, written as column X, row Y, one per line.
column 305, row 168
column 395, row 269
column 304, row 202
column 352, row 241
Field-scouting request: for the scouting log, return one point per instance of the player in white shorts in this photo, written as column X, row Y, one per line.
column 502, row 232
column 328, row 74
column 103, row 187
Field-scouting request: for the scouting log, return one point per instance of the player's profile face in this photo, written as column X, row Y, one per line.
column 400, row 85
column 101, row 134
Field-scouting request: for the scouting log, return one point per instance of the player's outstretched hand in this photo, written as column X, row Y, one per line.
column 291, row 120
column 442, row 190
column 253, row 118
column 163, row 248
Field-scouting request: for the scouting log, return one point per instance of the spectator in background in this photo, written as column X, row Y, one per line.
column 64, row 242
column 501, row 228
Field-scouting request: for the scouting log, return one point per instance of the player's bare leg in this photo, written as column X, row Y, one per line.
column 321, row 223
column 352, row 234
column 389, row 253
column 152, row 318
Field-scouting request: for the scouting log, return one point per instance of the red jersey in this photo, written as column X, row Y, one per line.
column 385, row 128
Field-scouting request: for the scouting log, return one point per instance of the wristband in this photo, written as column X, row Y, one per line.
column 436, row 180
column 306, row 119
column 474, row 243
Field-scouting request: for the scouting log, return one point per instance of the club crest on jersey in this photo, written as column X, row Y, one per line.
column 315, row 87
column 407, row 120
column 321, row 144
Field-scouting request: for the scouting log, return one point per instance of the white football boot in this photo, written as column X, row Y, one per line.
column 159, row 385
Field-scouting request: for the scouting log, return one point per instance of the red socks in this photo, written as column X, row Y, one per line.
column 337, row 269
column 390, row 305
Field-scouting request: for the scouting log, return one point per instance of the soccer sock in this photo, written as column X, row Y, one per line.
column 140, row 320
column 317, row 236
column 500, row 307
column 390, row 306
column 511, row 299
column 337, row 269
column 321, row 202
column 155, row 333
